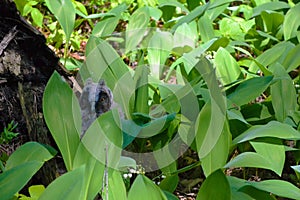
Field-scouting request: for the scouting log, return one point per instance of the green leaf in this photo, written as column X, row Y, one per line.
column 249, row 159
column 14, row 179
column 185, row 37
column 64, row 12
column 104, row 135
column 270, row 6
column 217, row 180
column 37, row 17
column 217, row 7
column 231, row 27
column 93, row 177
column 68, row 186
column 156, row 125
column 291, row 22
column 173, row 3
column 160, row 46
column 274, row 153
column 272, row 129
column 284, row 97
column 62, row 115
column 207, row 130
column 116, row 187
column 292, row 59
column 272, row 21
column 275, row 54
column 35, row 191
column 197, row 12
column 31, row 151
column 137, row 27
column 206, row 29
column 126, row 162
column 142, row 90
column 228, row 69
column 107, row 25
column 144, row 188
column 249, row 89
column 130, row 130
column 217, row 158
column 242, row 190
column 169, row 183
column 278, row 187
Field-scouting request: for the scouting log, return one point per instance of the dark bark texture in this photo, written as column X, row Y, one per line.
column 26, row 64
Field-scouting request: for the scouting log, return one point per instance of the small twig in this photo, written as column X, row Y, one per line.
column 75, row 84
column 7, row 38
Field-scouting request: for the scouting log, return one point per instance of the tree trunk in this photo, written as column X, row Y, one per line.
column 26, row 63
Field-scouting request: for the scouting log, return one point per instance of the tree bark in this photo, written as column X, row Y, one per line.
column 26, row 63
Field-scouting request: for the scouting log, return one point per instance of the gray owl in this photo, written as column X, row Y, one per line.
column 95, row 99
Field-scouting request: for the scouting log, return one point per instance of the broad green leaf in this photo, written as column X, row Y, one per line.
column 217, row 158
column 270, row 6
column 185, row 37
column 159, row 49
column 14, row 179
column 292, row 59
column 116, row 186
column 207, row 131
column 284, row 98
column 206, row 29
column 35, row 191
column 249, row 159
column 217, row 180
column 37, row 17
column 94, row 171
column 173, row 3
column 156, row 125
column 67, row 187
column 103, row 139
column 191, row 58
column 155, row 13
column 256, row 193
column 106, row 26
column 274, row 153
column 272, row 129
column 217, row 7
column 272, row 20
column 80, row 8
column 235, row 185
column 275, row 54
column 278, row 187
column 62, row 115
column 144, row 188
column 126, row 162
column 197, row 12
column 231, row 28
column 291, row 22
column 30, row 151
column 249, row 89
column 130, row 130
column 170, row 196
column 228, row 69
column 142, row 89
column 137, row 28
column 169, row 183
column 64, row 12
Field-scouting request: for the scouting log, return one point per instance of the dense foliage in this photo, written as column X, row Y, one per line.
column 220, row 79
